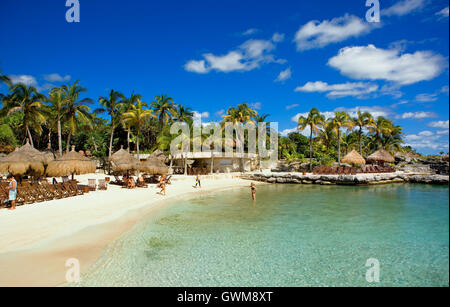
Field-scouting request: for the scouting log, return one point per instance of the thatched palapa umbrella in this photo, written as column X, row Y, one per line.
column 154, row 166
column 23, row 160
column 354, row 158
column 381, row 155
column 123, row 161
column 71, row 163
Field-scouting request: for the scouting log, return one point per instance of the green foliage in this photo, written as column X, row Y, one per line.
column 7, row 137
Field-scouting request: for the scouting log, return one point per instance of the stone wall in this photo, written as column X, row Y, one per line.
column 359, row 179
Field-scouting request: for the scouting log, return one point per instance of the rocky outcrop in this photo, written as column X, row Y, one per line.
column 359, row 179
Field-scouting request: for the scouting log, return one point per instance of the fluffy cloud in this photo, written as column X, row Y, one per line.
column 443, row 13
column 403, row 8
column 284, row 75
column 316, row 34
column 25, row 79
column 278, row 37
column 426, row 140
column 355, row 89
column 248, row 56
column 372, row 63
column 416, row 115
column 439, row 124
column 56, row 78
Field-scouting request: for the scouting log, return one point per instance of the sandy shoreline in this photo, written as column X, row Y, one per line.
column 36, row 240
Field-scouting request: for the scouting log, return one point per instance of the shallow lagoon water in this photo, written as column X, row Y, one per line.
column 293, row 235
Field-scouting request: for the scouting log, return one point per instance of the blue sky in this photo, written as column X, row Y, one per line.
column 282, row 57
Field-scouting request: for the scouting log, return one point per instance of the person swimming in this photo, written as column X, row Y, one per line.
column 253, row 188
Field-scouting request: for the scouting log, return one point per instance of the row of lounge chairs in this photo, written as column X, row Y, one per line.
column 349, row 170
column 39, row 191
column 130, row 183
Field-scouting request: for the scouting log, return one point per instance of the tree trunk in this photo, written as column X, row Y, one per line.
column 128, row 139
column 29, row 135
column 360, row 146
column 68, row 142
column 212, row 162
column 339, row 147
column 185, row 165
column 49, row 145
column 59, row 137
column 93, row 142
column 111, row 141
column 310, row 151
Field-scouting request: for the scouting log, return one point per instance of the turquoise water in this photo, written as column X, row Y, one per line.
column 294, row 235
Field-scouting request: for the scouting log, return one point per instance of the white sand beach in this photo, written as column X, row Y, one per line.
column 37, row 239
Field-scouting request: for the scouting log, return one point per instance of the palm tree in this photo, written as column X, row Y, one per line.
column 127, row 102
column 362, row 120
column 164, row 109
column 381, row 126
column 393, row 140
column 314, row 121
column 184, row 114
column 136, row 118
column 340, row 120
column 5, row 79
column 56, row 101
column 326, row 136
column 74, row 110
column 111, row 105
column 29, row 101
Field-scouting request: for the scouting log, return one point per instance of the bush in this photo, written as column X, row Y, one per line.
column 7, row 137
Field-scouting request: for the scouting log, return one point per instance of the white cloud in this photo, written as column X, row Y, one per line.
column 25, row 79
column 375, row 111
column 439, row 124
column 248, row 56
column 284, row 75
column 255, row 105
column 292, row 106
column 426, row 140
column 416, row 115
column 355, row 89
column 220, row 112
column 403, row 8
column 278, row 37
column 426, row 97
column 316, row 34
column 442, row 132
column 287, row 131
column 56, row 78
column 372, row 63
column 250, row 31
column 443, row 13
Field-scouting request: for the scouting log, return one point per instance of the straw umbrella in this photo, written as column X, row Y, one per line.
column 382, row 156
column 354, row 158
column 71, row 163
column 23, row 160
column 123, row 161
column 154, row 166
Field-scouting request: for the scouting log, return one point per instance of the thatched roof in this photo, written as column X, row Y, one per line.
column 154, row 166
column 445, row 157
column 380, row 155
column 21, row 162
column 71, row 163
column 354, row 157
column 25, row 159
column 123, row 161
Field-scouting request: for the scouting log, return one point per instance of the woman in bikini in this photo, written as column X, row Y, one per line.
column 253, row 188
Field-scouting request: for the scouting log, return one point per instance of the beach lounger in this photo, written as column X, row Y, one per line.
column 92, row 184
column 102, row 184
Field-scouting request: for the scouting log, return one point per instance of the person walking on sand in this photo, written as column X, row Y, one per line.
column 162, row 185
column 253, row 188
column 12, row 191
column 197, row 181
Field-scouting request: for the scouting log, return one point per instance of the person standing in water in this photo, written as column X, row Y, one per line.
column 253, row 188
